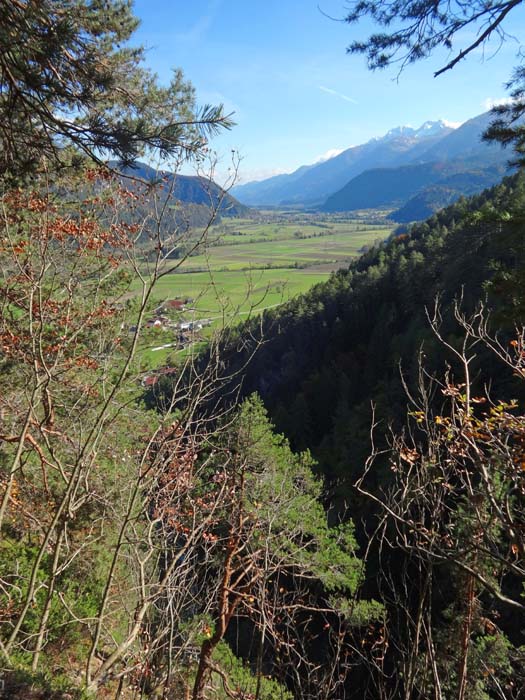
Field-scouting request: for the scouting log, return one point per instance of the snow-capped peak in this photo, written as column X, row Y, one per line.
column 398, row 131
column 430, row 128
column 426, row 130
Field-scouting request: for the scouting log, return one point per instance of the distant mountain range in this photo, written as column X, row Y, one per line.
column 312, row 184
column 414, row 171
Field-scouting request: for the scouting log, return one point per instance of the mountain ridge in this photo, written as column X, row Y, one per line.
column 403, row 151
column 312, row 184
column 187, row 189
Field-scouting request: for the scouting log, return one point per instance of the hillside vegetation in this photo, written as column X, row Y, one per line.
column 143, row 553
column 336, row 349
column 321, row 499
column 399, row 357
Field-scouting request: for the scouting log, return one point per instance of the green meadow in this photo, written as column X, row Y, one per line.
column 329, row 249
column 236, row 290
column 247, row 265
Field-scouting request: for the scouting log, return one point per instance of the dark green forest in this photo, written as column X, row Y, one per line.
column 327, row 357
column 381, row 345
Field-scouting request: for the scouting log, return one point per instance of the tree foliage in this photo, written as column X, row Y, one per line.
column 418, row 28
column 455, row 508
column 273, row 561
column 70, row 78
column 111, row 539
column 83, row 562
column 413, row 30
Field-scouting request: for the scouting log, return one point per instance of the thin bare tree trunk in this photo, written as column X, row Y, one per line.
column 465, row 638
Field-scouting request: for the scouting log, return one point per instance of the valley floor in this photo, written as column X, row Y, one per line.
column 244, row 266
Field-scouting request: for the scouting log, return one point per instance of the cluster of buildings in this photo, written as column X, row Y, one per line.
column 162, row 319
column 170, row 316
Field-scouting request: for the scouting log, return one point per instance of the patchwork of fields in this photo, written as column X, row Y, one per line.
column 248, row 265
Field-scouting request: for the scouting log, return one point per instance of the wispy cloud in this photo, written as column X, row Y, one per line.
column 256, row 174
column 199, row 30
column 341, row 96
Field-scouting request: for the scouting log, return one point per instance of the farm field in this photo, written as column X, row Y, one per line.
column 223, row 297
column 248, row 265
column 332, row 249
column 237, row 291
column 273, row 226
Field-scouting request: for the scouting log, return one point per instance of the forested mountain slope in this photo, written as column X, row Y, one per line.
column 387, row 187
column 187, row 189
column 328, row 355
column 446, row 191
column 439, row 509
column 191, row 200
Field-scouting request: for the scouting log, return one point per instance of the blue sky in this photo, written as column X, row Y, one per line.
column 281, row 67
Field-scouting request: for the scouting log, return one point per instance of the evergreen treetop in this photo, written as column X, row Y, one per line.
column 70, row 78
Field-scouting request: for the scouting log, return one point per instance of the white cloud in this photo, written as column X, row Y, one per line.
column 332, row 153
column 491, row 102
column 329, row 91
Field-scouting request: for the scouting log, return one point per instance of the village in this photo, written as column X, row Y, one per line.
column 176, row 318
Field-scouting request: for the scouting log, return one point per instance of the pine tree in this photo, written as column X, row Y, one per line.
column 413, row 30
column 69, row 78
